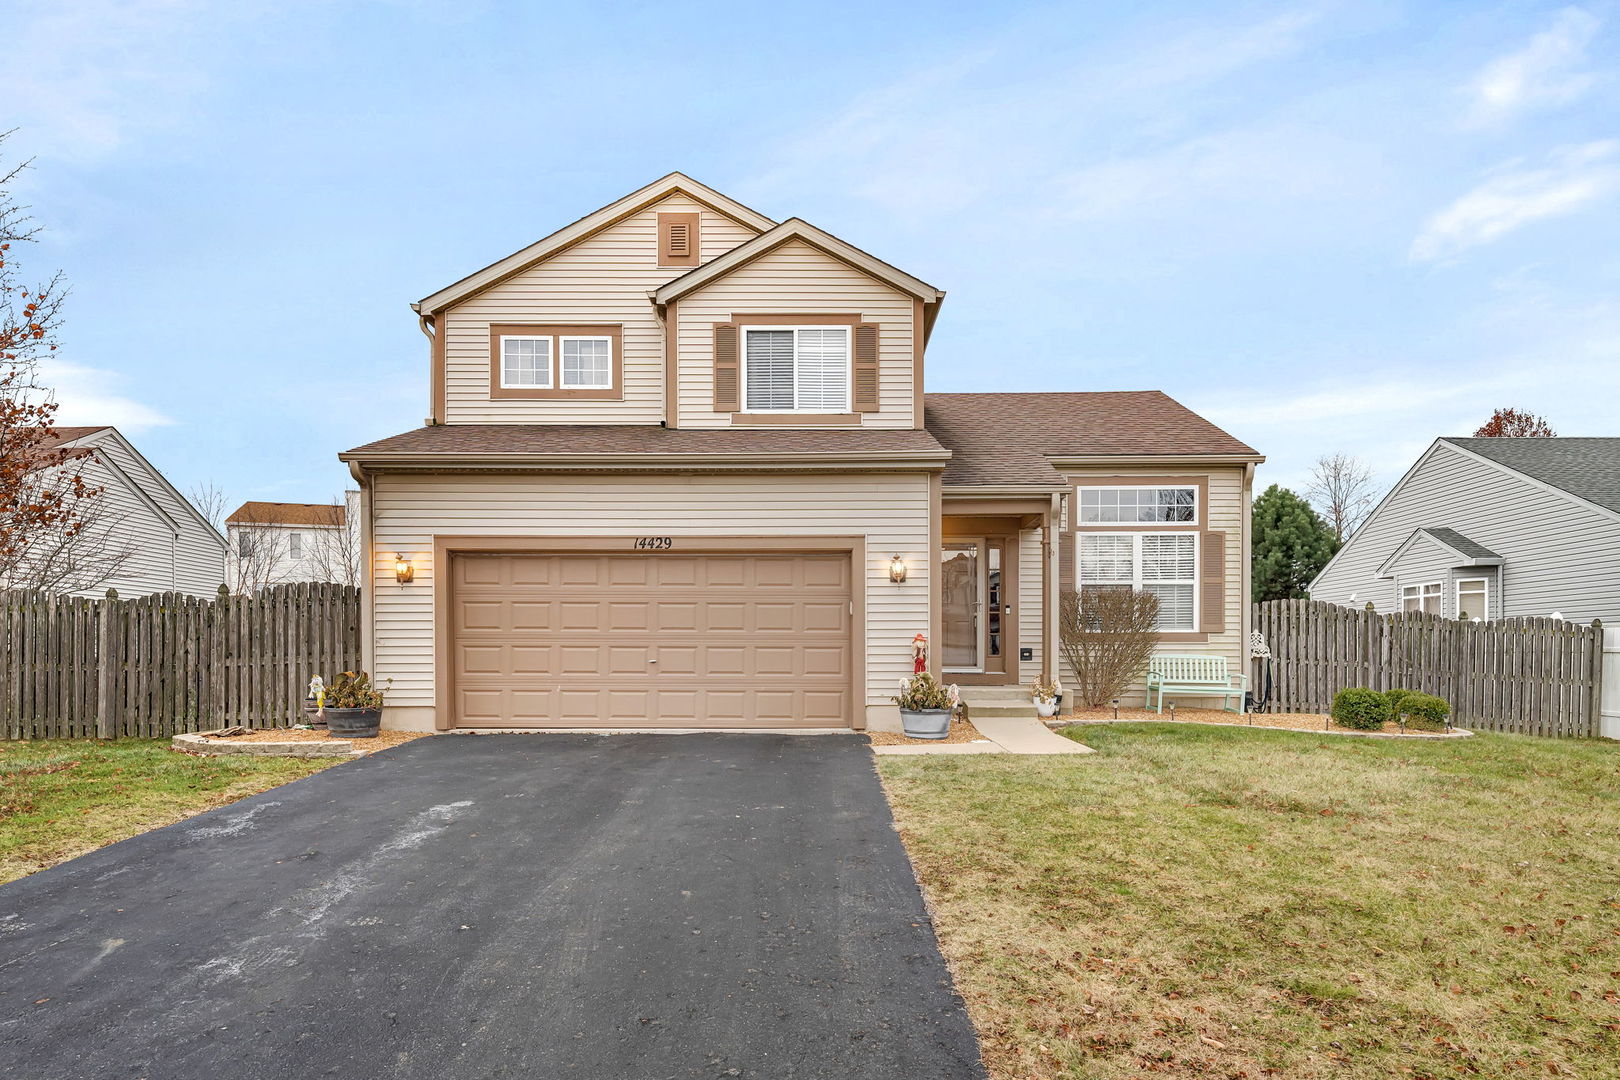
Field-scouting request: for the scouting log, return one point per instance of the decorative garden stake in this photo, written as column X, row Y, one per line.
column 1116, row 708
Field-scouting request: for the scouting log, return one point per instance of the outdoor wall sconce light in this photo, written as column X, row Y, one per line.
column 897, row 569
column 403, row 570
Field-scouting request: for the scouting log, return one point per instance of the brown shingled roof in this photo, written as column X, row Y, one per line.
column 62, row 435
column 1008, row 438
column 277, row 513
column 495, row 439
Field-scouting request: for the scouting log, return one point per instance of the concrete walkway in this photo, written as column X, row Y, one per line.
column 1007, row 735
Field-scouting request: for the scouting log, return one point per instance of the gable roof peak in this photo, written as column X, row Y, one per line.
column 592, row 223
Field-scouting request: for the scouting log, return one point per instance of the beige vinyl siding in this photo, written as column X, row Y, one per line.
column 1558, row 552
column 1031, row 602
column 604, row 279
column 173, row 553
column 1225, row 512
column 794, row 278
column 890, row 510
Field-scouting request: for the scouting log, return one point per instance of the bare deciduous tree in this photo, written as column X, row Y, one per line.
column 209, row 499
column 1342, row 490
column 1107, row 635
column 334, row 554
column 257, row 558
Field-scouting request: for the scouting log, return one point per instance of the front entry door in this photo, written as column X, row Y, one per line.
column 974, row 609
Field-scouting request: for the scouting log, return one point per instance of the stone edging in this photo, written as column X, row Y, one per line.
column 1454, row 733
column 200, row 743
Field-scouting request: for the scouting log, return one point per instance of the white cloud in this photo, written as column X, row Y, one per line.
column 1516, row 196
column 1548, row 71
column 87, row 396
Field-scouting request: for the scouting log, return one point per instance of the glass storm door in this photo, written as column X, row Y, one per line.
column 972, row 606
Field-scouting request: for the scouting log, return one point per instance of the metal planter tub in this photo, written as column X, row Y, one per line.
column 926, row 723
column 353, row 723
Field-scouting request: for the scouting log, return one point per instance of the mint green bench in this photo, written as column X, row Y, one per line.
column 1194, row 676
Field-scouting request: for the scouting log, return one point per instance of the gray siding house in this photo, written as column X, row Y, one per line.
column 1491, row 528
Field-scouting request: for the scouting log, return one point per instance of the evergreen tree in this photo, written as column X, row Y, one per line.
column 1291, row 545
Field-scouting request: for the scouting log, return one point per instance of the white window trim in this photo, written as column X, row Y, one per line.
column 1137, row 583
column 551, row 361
column 1079, row 509
column 849, row 367
column 1439, row 588
column 561, row 372
column 295, row 545
column 1485, row 615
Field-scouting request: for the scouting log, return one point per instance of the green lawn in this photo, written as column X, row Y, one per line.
column 1220, row 902
column 63, row 797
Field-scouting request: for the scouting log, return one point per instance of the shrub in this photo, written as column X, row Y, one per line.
column 923, row 692
column 1425, row 710
column 1394, row 697
column 1362, row 709
column 1107, row 635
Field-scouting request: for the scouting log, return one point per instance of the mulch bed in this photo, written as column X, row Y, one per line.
column 1286, row 721
column 383, row 740
column 961, row 731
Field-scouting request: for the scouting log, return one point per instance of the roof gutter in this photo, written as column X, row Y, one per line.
column 1077, row 461
column 676, row 462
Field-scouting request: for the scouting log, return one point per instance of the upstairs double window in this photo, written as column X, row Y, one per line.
column 555, row 361
column 796, row 369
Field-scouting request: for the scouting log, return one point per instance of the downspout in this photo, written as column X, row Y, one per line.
column 368, row 570
column 429, row 327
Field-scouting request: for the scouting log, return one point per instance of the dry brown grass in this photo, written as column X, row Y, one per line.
column 1218, row 902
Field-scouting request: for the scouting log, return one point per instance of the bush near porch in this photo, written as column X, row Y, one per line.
column 1220, row 902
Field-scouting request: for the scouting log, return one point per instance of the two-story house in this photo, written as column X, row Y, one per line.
column 279, row 543
column 680, row 471
column 1491, row 528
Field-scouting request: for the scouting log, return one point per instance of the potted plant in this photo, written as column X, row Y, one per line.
column 1044, row 692
column 353, row 707
column 926, row 707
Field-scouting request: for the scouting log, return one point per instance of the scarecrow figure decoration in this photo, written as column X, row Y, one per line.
column 919, row 654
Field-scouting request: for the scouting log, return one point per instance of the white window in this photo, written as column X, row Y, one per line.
column 1424, row 598
column 295, row 545
column 1474, row 599
column 587, row 363
column 244, row 544
column 1164, row 564
column 1138, row 506
column 526, row 361
column 796, row 369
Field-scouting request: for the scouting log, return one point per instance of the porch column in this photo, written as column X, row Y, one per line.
column 1049, row 582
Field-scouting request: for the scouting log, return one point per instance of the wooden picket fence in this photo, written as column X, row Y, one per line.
column 168, row 663
column 1526, row 675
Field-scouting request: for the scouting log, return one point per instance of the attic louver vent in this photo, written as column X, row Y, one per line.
column 679, row 239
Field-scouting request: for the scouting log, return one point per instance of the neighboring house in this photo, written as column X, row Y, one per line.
column 140, row 535
column 1491, row 528
column 680, row 471
column 276, row 543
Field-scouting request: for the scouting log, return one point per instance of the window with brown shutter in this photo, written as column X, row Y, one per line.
column 1212, row 583
column 865, row 388
column 677, row 239
column 727, row 375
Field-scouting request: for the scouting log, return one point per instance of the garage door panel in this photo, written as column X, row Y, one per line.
column 652, row 640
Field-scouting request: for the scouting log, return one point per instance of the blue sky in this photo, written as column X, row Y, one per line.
column 1329, row 227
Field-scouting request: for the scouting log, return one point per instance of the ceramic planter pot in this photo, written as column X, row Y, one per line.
column 353, row 723
column 1045, row 709
column 926, row 723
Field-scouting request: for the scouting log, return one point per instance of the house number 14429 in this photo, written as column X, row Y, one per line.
column 655, row 543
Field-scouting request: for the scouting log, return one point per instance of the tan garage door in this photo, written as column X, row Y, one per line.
column 656, row 640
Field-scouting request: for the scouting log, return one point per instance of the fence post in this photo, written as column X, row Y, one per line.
column 109, row 659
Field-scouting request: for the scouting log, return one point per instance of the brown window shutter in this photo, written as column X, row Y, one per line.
column 866, row 368
column 727, row 371
column 677, row 239
column 1212, row 582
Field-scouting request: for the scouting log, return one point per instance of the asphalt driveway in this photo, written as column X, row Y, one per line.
column 631, row 907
